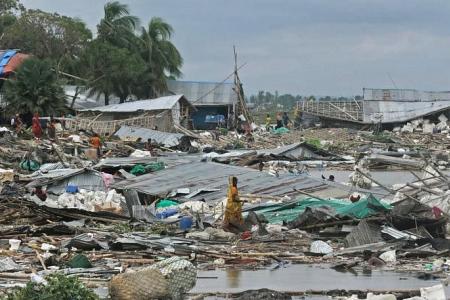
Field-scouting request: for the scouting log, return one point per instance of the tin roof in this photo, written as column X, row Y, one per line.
column 162, row 103
column 197, row 176
column 204, row 93
column 164, row 138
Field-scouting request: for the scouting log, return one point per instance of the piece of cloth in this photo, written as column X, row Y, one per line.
column 108, row 179
column 95, row 142
column 233, row 210
column 36, row 127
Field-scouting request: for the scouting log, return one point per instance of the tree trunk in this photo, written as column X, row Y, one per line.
column 74, row 98
column 106, row 99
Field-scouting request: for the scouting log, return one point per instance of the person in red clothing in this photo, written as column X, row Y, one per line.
column 96, row 143
column 36, row 126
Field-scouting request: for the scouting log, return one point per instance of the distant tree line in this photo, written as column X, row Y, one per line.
column 125, row 58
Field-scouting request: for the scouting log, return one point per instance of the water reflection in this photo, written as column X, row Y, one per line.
column 233, row 278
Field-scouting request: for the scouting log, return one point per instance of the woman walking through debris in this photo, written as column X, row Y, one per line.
column 96, row 143
column 233, row 220
column 36, row 126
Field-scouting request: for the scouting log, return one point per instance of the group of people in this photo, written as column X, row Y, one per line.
column 282, row 121
column 36, row 126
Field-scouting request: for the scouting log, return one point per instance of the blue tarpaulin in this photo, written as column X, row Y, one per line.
column 5, row 59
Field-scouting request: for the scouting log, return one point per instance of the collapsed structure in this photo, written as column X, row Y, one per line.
column 211, row 99
column 380, row 106
column 161, row 113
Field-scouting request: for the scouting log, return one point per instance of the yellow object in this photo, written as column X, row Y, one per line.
column 268, row 121
column 233, row 210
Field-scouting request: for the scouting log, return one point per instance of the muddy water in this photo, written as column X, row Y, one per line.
column 294, row 278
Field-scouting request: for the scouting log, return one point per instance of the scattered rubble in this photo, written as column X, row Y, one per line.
column 155, row 211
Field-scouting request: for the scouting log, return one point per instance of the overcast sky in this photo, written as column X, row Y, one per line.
column 321, row 47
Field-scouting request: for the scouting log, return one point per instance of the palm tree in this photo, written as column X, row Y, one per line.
column 163, row 60
column 35, row 88
column 117, row 25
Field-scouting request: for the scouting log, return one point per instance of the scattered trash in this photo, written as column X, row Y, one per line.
column 320, row 247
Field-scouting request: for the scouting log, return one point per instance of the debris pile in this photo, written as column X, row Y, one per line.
column 138, row 217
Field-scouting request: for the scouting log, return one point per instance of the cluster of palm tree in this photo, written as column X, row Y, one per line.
column 128, row 60
column 124, row 60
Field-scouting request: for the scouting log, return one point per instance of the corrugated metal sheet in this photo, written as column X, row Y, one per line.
column 404, row 95
column 401, row 111
column 296, row 151
column 116, row 162
column 204, row 93
column 201, row 175
column 57, row 180
column 164, row 138
column 162, row 103
column 397, row 234
column 169, row 161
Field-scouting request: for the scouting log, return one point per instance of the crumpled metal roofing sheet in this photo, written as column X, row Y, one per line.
column 200, row 175
column 161, row 103
column 124, row 161
column 57, row 180
column 165, row 138
column 204, row 93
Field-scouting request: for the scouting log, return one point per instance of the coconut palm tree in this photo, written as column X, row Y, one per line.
column 163, row 60
column 35, row 88
column 117, row 25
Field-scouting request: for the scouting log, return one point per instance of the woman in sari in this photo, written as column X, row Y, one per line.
column 233, row 220
column 36, row 127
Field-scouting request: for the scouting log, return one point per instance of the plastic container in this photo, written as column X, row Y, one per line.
column 167, row 213
column 14, row 244
column 186, row 223
column 72, row 189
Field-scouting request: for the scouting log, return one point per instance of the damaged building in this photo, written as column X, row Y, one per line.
column 164, row 114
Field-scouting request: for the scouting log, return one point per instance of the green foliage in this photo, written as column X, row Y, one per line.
column 161, row 56
column 59, row 287
column 120, row 61
column 379, row 137
column 112, row 70
column 314, row 142
column 35, row 88
column 117, row 26
column 46, row 35
column 9, row 10
column 10, row 6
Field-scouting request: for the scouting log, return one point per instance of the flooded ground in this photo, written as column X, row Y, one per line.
column 294, row 278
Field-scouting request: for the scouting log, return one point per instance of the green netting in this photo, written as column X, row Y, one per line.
column 288, row 212
column 280, row 130
column 144, row 169
column 29, row 165
column 166, row 203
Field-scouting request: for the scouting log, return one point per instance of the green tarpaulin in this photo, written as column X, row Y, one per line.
column 144, row 169
column 288, row 212
column 281, row 130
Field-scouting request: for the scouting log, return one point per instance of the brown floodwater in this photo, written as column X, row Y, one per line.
column 298, row 278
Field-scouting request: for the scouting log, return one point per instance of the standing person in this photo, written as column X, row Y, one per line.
column 51, row 130
column 286, row 120
column 268, row 122
column 18, row 123
column 96, row 143
column 148, row 146
column 36, row 127
column 279, row 121
column 297, row 118
column 233, row 220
